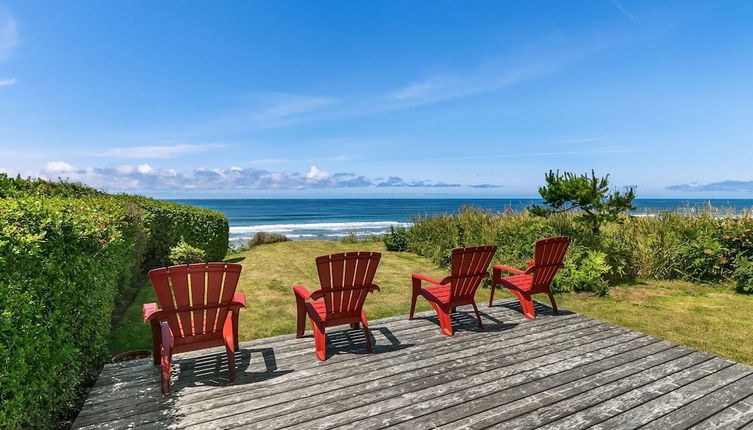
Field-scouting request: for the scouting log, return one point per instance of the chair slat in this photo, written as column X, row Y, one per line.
column 197, row 276
column 345, row 279
column 338, row 271
column 469, row 266
column 215, row 275
column 179, row 282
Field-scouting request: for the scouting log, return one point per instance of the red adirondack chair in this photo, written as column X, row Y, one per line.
column 537, row 278
column 346, row 279
column 199, row 309
column 469, row 267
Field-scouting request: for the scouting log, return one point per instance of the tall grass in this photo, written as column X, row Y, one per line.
column 700, row 244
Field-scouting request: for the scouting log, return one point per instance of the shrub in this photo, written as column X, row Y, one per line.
column 170, row 222
column 583, row 272
column 744, row 277
column 69, row 255
column 183, row 253
column 350, row 237
column 63, row 262
column 263, row 238
column 396, row 239
column 699, row 245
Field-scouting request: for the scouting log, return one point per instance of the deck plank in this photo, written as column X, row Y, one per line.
column 558, row 371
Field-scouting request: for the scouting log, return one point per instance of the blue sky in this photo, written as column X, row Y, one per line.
column 402, row 98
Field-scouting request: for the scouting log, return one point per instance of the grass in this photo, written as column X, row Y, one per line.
column 269, row 273
column 709, row 318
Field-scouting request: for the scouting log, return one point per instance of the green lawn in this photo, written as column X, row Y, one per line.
column 712, row 319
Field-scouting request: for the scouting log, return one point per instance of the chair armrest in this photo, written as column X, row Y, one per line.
column 304, row 294
column 508, row 269
column 240, row 299
column 150, row 311
column 426, row 278
column 301, row 292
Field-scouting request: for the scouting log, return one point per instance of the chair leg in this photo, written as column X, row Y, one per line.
column 554, row 304
column 527, row 304
column 300, row 327
column 166, row 362
column 230, row 362
column 166, row 356
column 445, row 322
column 491, row 294
column 235, row 330
column 320, row 340
column 416, row 291
column 229, row 330
column 366, row 332
column 156, row 342
column 478, row 315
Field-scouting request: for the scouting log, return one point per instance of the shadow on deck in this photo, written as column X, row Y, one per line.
column 558, row 371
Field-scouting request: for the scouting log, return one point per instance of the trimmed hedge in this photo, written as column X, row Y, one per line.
column 170, row 223
column 68, row 254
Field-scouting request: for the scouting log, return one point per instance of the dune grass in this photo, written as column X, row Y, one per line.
column 709, row 318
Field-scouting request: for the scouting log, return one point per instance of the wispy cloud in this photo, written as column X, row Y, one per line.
column 728, row 185
column 493, row 75
column 622, row 10
column 279, row 107
column 485, row 186
column 260, row 110
column 394, row 181
column 531, row 154
column 129, row 177
column 579, row 140
column 157, row 151
column 6, row 82
column 8, row 37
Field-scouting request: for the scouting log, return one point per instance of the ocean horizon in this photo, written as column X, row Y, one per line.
column 333, row 219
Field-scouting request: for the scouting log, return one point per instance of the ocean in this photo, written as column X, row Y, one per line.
column 332, row 219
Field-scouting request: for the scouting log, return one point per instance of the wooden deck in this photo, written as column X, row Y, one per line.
column 560, row 371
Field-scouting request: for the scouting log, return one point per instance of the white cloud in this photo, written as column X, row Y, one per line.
column 127, row 177
column 157, row 151
column 58, row 167
column 7, row 82
column 316, row 174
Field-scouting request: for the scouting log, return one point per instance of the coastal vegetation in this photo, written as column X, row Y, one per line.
column 610, row 246
column 710, row 317
column 71, row 257
column 703, row 245
column 588, row 196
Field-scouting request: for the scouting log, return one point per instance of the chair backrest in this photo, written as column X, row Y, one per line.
column 346, row 279
column 548, row 256
column 197, row 296
column 469, row 267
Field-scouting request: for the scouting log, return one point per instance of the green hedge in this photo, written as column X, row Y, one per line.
column 704, row 246
column 63, row 262
column 170, row 222
column 67, row 255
